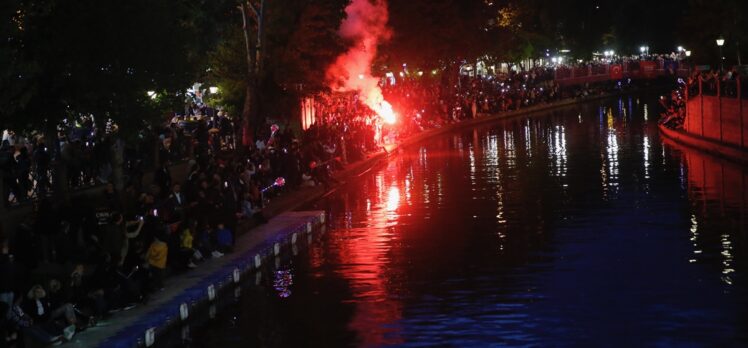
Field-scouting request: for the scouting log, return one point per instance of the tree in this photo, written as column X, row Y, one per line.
column 299, row 40
column 99, row 57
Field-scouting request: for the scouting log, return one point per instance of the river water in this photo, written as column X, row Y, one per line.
column 573, row 227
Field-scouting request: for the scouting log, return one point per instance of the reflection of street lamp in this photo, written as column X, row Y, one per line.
column 720, row 43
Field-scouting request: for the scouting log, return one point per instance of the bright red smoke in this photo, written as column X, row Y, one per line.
column 366, row 27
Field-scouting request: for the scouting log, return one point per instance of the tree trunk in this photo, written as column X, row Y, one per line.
column 245, row 138
column 246, row 135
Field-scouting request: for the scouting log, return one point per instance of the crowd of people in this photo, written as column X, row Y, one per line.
column 66, row 267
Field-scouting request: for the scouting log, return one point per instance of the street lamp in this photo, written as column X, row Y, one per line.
column 720, row 42
column 688, row 53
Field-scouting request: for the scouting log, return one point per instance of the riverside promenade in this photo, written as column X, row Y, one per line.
column 141, row 326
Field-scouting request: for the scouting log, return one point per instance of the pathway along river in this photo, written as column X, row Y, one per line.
column 577, row 226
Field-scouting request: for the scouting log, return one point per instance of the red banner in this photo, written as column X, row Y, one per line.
column 616, row 72
column 648, row 69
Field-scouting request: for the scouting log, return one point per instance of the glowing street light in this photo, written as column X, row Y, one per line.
column 688, row 53
column 681, row 49
column 213, row 89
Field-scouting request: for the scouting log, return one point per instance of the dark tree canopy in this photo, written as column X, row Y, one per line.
column 100, row 57
column 301, row 40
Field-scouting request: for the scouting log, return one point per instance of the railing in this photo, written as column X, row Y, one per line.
column 604, row 72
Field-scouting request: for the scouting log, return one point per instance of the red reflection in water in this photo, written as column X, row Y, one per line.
column 393, row 199
column 718, row 188
column 366, row 253
column 715, row 179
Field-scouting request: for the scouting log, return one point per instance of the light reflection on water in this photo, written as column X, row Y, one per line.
column 577, row 227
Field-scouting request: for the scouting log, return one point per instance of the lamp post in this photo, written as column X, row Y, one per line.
column 720, row 43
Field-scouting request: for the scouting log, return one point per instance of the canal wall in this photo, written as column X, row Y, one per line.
column 708, row 145
column 717, row 118
column 209, row 283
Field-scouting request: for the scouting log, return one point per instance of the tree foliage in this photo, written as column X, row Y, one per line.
column 432, row 34
column 100, row 57
column 300, row 42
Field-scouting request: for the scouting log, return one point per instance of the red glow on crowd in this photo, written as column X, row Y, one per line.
column 366, row 27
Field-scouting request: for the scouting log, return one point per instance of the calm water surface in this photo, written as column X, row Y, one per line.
column 575, row 227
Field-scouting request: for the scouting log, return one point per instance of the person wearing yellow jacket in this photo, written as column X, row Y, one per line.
column 189, row 254
column 156, row 257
